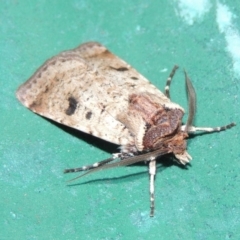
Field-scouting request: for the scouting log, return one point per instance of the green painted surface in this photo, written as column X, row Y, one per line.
column 201, row 202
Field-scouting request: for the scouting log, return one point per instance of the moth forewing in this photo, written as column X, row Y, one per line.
column 94, row 91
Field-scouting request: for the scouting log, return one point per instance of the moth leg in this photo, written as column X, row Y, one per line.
column 152, row 173
column 169, row 80
column 192, row 129
column 95, row 165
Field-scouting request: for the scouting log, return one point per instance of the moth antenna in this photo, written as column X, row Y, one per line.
column 192, row 110
column 89, row 167
column 191, row 102
column 124, row 162
column 169, row 80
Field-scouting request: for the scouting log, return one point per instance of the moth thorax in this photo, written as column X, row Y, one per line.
column 165, row 128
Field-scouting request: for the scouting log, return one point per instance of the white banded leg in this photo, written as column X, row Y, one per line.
column 192, row 129
column 169, row 80
column 152, row 173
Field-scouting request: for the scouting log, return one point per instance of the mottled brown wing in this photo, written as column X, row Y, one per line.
column 86, row 88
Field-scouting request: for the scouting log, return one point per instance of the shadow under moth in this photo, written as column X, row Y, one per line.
column 90, row 89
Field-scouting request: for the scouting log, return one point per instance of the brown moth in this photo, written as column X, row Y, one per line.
column 94, row 91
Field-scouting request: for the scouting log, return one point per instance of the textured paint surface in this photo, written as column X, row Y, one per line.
column 199, row 203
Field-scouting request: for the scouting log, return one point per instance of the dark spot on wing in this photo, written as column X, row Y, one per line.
column 120, row 69
column 39, row 74
column 88, row 115
column 33, row 105
column 103, row 108
column 46, row 89
column 36, row 105
column 72, row 106
column 134, row 78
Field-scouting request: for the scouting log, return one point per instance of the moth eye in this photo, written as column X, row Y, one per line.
column 72, row 106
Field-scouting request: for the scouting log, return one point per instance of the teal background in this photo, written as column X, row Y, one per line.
column 200, row 202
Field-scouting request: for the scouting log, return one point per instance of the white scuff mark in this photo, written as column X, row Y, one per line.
column 138, row 28
column 224, row 17
column 191, row 11
column 164, row 70
column 224, row 20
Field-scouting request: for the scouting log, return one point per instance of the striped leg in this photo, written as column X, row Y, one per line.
column 192, row 129
column 168, row 83
column 152, row 173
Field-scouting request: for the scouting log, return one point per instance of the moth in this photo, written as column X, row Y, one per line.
column 90, row 89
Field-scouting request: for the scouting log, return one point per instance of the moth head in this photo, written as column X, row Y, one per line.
column 185, row 129
column 174, row 143
column 184, row 157
column 166, row 130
